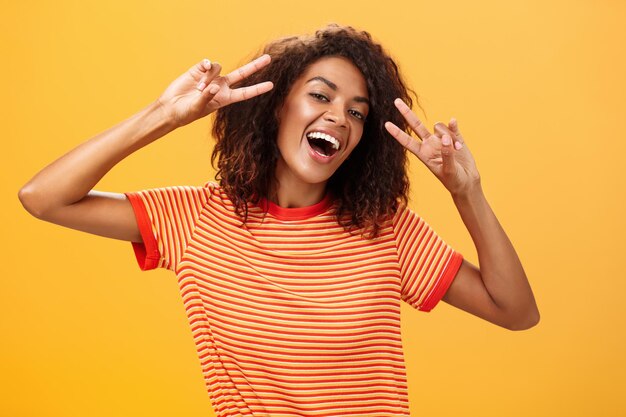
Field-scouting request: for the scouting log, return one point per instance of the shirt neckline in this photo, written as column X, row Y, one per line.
column 297, row 213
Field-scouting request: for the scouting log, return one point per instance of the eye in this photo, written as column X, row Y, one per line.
column 357, row 114
column 318, row 96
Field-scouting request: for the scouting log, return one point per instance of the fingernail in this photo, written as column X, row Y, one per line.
column 458, row 145
column 207, row 64
column 201, row 85
column 446, row 140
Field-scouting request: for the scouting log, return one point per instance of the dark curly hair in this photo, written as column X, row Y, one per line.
column 371, row 183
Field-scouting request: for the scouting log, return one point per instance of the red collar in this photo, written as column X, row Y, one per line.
column 299, row 213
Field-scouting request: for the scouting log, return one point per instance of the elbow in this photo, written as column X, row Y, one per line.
column 28, row 198
column 528, row 321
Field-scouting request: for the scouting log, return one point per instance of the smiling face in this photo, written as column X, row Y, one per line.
column 321, row 121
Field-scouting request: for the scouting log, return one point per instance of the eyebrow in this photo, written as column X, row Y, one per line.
column 333, row 86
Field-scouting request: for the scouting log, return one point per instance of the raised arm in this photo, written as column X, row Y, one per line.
column 498, row 291
column 61, row 193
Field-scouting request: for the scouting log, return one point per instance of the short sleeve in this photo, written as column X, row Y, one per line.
column 427, row 264
column 166, row 218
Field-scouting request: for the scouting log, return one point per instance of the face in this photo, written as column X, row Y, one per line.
column 322, row 120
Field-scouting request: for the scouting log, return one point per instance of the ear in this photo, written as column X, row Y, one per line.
column 277, row 113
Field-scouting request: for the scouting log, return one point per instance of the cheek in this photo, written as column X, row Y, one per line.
column 294, row 120
column 358, row 136
column 356, row 140
column 287, row 119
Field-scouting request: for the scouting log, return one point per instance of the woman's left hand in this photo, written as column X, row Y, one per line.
column 444, row 152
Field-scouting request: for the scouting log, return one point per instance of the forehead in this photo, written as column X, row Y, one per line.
column 340, row 71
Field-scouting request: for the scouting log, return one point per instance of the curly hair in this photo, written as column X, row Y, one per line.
column 371, row 183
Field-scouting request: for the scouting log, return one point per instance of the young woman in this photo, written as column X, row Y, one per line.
column 292, row 266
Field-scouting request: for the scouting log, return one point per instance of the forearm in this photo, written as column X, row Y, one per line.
column 500, row 268
column 69, row 178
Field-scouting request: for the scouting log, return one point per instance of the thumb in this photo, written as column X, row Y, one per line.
column 205, row 103
column 447, row 156
column 209, row 92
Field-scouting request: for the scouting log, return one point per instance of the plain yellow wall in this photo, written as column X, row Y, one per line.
column 538, row 88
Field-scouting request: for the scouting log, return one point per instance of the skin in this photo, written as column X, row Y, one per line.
column 62, row 192
column 498, row 291
column 328, row 96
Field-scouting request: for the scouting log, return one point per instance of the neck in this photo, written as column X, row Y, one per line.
column 289, row 191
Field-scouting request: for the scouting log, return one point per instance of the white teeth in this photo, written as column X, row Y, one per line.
column 327, row 138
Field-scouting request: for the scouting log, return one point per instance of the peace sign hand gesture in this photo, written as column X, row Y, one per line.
column 443, row 152
column 201, row 90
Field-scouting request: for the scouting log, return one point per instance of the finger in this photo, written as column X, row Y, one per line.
column 206, row 97
column 245, row 93
column 447, row 155
column 405, row 139
column 202, row 67
column 209, row 93
column 441, row 129
column 247, row 70
column 209, row 76
column 205, row 65
column 454, row 127
column 416, row 124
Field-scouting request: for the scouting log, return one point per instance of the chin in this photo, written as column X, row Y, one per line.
column 315, row 177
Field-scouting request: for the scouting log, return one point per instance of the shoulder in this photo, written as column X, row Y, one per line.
column 211, row 187
column 403, row 214
column 217, row 200
column 197, row 196
column 407, row 222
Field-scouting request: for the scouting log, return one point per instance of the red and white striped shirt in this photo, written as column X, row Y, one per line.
column 292, row 315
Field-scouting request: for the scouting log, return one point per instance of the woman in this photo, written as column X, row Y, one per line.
column 293, row 266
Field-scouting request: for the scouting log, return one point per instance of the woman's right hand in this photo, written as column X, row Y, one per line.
column 201, row 90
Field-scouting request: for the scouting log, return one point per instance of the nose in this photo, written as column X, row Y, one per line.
column 335, row 115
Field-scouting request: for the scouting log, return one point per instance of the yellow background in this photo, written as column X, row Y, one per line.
column 538, row 88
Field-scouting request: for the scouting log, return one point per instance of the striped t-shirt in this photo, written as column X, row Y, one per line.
column 292, row 315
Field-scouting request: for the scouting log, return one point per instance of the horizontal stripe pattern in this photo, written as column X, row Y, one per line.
column 293, row 316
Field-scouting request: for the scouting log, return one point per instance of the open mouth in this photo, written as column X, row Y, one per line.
column 322, row 143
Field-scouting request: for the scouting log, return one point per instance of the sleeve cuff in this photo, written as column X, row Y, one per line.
column 146, row 252
column 444, row 282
